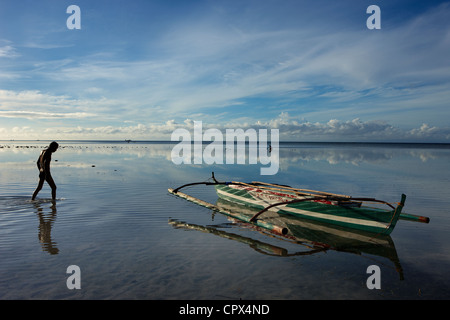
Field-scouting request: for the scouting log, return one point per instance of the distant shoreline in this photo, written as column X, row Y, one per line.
column 281, row 143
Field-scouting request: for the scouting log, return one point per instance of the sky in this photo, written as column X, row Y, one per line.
column 141, row 69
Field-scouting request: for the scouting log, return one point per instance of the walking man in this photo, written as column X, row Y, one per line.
column 43, row 164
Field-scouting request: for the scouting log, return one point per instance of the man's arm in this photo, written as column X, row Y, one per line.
column 47, row 160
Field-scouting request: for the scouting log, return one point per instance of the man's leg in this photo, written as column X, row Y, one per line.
column 52, row 185
column 39, row 187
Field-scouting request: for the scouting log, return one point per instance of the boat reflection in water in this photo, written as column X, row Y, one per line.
column 314, row 236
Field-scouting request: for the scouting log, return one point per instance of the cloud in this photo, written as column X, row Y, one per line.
column 243, row 60
column 32, row 99
column 430, row 133
column 353, row 131
column 33, row 104
column 214, row 65
column 8, row 52
column 44, row 115
column 290, row 129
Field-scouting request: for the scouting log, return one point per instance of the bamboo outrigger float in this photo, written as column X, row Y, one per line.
column 236, row 215
column 335, row 209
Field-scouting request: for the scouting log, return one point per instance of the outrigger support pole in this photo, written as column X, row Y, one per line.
column 197, row 183
column 194, row 183
column 206, row 183
column 317, row 198
column 281, row 203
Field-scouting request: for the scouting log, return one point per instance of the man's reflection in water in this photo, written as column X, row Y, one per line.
column 45, row 227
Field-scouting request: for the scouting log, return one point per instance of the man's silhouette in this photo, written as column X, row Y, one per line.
column 43, row 164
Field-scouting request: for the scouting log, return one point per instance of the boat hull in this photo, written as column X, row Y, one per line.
column 375, row 220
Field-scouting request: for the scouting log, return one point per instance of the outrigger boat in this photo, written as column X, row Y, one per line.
column 335, row 209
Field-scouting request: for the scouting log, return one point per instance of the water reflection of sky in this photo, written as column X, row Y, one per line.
column 114, row 215
column 390, row 169
column 291, row 153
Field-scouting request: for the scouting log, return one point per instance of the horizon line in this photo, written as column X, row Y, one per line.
column 207, row 141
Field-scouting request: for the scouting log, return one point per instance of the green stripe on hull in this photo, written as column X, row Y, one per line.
column 367, row 219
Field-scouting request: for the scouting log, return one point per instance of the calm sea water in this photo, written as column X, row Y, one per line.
column 133, row 240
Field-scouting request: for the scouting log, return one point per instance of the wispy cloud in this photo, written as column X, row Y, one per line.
column 208, row 65
column 23, row 104
column 44, row 115
column 7, row 52
column 224, row 62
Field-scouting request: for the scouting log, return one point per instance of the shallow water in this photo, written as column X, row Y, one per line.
column 115, row 219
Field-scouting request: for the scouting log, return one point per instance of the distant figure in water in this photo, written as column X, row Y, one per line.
column 43, row 164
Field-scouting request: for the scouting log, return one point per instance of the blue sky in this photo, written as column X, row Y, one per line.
column 140, row 69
